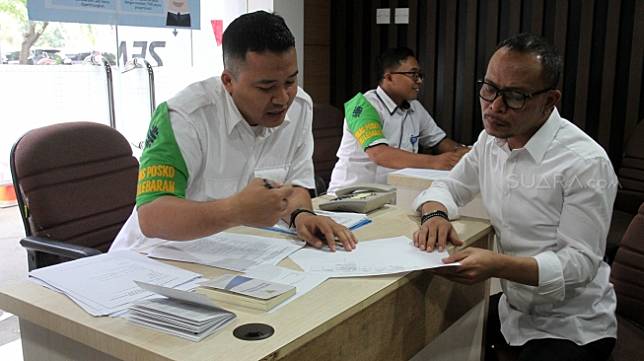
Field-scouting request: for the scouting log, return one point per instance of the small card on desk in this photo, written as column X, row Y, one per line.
column 247, row 292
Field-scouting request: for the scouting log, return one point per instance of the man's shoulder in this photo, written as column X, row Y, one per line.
column 578, row 143
column 303, row 97
column 197, row 95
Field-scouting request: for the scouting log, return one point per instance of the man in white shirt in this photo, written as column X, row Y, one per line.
column 384, row 127
column 549, row 191
column 235, row 150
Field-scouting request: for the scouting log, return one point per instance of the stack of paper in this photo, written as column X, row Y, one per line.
column 350, row 220
column 104, row 284
column 185, row 314
column 236, row 252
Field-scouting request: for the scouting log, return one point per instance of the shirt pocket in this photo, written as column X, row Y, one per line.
column 275, row 174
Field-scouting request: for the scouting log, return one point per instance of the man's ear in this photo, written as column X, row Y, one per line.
column 552, row 99
column 227, row 79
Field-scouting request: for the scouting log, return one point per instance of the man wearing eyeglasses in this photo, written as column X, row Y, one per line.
column 549, row 191
column 385, row 128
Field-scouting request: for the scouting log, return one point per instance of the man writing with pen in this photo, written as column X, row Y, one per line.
column 235, row 150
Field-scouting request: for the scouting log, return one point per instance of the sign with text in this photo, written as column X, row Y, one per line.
column 150, row 13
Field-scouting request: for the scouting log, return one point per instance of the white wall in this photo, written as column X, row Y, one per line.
column 293, row 12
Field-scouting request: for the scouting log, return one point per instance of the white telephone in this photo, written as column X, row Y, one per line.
column 361, row 198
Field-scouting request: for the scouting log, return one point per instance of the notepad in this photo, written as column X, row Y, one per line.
column 246, row 291
column 184, row 314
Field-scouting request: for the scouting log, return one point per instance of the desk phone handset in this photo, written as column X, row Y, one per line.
column 361, row 198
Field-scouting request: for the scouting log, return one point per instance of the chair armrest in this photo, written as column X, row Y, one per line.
column 57, row 248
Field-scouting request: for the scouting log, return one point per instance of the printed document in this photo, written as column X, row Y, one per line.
column 370, row 258
column 303, row 282
column 104, row 284
column 231, row 251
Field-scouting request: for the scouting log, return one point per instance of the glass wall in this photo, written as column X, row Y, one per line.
column 65, row 78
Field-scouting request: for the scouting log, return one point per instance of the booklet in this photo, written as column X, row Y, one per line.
column 184, row 314
column 247, row 292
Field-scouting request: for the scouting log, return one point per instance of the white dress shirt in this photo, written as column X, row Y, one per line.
column 402, row 128
column 223, row 153
column 551, row 200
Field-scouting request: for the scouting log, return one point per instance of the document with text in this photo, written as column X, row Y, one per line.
column 302, row 281
column 232, row 251
column 370, row 258
column 104, row 284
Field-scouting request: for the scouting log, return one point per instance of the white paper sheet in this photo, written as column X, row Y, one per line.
column 431, row 174
column 376, row 257
column 231, row 251
column 303, row 282
column 104, row 284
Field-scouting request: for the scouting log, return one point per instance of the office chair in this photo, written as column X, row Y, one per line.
column 327, row 131
column 627, row 276
column 76, row 186
column 630, row 193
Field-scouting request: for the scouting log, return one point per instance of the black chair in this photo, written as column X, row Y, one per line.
column 631, row 191
column 627, row 276
column 76, row 186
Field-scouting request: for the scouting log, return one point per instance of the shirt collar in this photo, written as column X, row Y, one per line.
column 389, row 103
column 234, row 119
column 538, row 144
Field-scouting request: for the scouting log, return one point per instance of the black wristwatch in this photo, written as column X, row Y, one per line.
column 296, row 212
column 437, row 213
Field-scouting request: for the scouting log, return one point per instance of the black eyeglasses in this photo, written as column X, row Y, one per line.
column 413, row 75
column 512, row 99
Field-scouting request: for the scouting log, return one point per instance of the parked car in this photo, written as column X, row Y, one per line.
column 45, row 57
column 11, row 57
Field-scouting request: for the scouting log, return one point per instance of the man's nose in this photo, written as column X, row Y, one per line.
column 498, row 104
column 281, row 96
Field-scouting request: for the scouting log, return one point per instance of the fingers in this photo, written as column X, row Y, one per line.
column 453, row 237
column 435, row 233
column 423, row 238
column 442, row 237
column 284, row 191
column 309, row 237
column 347, row 238
column 320, row 230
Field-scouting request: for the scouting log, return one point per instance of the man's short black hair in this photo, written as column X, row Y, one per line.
column 392, row 58
column 548, row 55
column 258, row 31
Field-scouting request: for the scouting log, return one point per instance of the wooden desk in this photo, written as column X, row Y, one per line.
column 408, row 187
column 376, row 318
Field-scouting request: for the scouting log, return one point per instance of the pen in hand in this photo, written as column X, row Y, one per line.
column 267, row 184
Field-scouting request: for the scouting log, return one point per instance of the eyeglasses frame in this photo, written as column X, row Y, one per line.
column 502, row 91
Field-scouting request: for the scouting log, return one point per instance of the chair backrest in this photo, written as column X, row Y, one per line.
column 327, row 131
column 75, row 183
column 631, row 173
column 627, row 271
